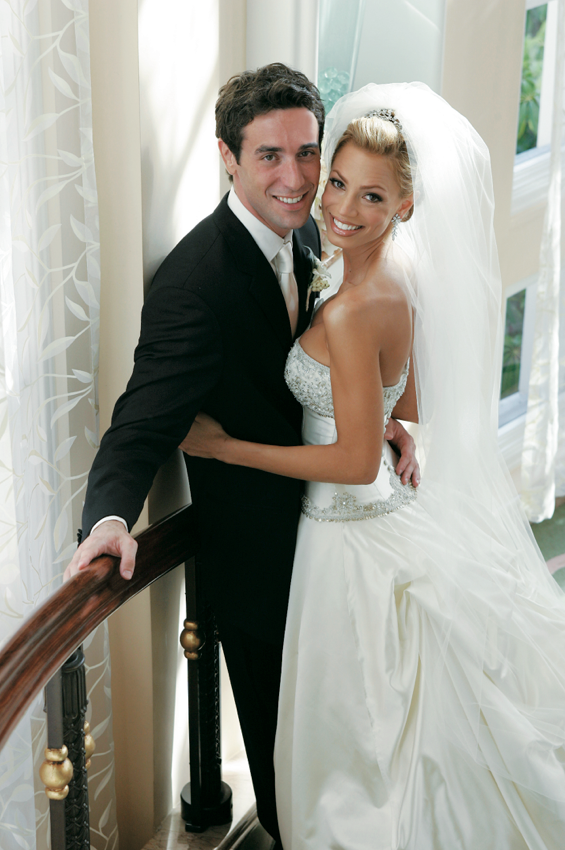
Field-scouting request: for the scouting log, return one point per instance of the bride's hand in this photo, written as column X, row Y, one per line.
column 205, row 439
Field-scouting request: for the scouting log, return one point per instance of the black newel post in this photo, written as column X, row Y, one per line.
column 64, row 770
column 205, row 800
column 56, row 771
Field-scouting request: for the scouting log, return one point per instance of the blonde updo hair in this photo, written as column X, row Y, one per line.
column 377, row 135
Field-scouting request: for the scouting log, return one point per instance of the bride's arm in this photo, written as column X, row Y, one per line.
column 407, row 405
column 352, row 334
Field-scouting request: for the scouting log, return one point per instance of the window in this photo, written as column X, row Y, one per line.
column 339, row 35
column 532, row 67
column 538, row 66
column 513, row 338
column 537, row 104
column 518, row 346
column 518, row 340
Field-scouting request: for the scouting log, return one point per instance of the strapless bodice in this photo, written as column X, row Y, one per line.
column 309, row 382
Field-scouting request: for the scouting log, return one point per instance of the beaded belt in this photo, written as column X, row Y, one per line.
column 345, row 507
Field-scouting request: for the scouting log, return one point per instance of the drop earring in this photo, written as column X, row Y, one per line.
column 395, row 222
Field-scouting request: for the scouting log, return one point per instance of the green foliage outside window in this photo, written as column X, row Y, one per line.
column 532, row 66
column 513, row 333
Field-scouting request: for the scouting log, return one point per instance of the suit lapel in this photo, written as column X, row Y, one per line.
column 303, row 274
column 265, row 290
column 263, row 284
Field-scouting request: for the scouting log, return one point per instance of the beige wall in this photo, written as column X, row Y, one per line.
column 481, row 78
column 115, row 88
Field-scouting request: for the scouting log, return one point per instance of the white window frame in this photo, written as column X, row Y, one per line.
column 531, row 168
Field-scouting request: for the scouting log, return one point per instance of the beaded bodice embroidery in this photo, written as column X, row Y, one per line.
column 309, row 381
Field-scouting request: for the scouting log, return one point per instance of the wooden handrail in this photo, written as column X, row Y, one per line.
column 54, row 630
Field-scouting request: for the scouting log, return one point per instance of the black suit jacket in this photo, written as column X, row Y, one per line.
column 215, row 335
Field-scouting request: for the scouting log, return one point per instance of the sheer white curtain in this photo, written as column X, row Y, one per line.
column 543, row 458
column 49, row 315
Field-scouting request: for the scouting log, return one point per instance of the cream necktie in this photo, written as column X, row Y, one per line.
column 285, row 270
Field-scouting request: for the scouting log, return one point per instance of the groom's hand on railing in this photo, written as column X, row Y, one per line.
column 109, row 538
column 407, row 466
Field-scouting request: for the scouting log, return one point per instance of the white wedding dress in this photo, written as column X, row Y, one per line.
column 418, row 704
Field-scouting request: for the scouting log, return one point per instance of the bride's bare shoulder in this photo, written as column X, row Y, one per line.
column 346, row 310
column 379, row 303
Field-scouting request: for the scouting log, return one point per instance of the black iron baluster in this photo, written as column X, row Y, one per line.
column 205, row 800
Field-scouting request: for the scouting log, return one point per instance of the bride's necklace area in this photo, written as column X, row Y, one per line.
column 355, row 278
column 362, row 269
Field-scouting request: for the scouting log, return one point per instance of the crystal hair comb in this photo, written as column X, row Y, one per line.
column 386, row 115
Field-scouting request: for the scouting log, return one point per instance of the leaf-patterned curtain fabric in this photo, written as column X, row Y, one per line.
column 49, row 317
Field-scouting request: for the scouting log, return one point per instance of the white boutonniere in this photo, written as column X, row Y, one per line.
column 320, row 278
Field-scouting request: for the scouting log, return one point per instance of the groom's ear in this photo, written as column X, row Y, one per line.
column 229, row 158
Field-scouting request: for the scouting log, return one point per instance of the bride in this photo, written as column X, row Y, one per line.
column 422, row 699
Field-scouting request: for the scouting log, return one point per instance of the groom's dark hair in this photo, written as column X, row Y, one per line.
column 253, row 93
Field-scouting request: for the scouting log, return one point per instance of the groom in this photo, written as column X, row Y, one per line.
column 217, row 326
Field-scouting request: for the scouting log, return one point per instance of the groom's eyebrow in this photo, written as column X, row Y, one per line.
column 275, row 149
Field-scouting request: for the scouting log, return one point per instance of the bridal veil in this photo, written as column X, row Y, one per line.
column 501, row 603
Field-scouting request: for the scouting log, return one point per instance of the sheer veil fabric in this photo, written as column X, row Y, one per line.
column 494, row 633
column 456, row 291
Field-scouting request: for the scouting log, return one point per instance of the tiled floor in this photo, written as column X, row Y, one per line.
column 171, row 834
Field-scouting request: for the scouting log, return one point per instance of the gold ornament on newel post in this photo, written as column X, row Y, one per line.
column 190, row 640
column 89, row 744
column 56, row 772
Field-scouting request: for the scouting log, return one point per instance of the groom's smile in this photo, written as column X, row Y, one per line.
column 279, row 166
column 291, row 200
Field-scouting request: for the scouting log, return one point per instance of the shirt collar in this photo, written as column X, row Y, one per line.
column 267, row 240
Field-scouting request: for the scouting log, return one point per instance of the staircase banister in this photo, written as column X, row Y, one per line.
column 55, row 629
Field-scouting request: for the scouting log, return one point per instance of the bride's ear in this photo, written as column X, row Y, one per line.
column 405, row 206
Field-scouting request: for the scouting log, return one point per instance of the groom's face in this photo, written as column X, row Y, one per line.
column 279, row 166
